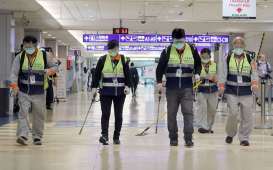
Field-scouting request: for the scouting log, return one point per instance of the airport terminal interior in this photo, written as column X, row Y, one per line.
column 73, row 35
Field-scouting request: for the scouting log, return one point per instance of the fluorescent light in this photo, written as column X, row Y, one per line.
column 49, row 35
column 44, row 32
column 54, row 37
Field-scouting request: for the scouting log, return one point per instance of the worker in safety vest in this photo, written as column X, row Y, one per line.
column 239, row 79
column 29, row 74
column 180, row 63
column 207, row 93
column 112, row 75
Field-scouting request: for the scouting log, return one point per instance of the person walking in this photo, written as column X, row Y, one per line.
column 113, row 73
column 238, row 79
column 29, row 74
column 180, row 63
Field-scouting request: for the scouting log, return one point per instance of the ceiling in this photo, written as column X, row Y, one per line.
column 63, row 17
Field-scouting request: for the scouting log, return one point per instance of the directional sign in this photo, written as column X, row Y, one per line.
column 137, row 38
column 128, row 47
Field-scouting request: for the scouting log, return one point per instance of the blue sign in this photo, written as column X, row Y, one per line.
column 128, row 47
column 137, row 38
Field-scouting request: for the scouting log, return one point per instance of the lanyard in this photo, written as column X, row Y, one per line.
column 114, row 66
column 30, row 63
column 238, row 65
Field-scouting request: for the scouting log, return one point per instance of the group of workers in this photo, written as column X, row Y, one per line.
column 235, row 76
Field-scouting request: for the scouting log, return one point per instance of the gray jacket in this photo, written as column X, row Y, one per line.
column 16, row 68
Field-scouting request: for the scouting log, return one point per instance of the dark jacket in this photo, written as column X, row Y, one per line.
column 164, row 59
column 97, row 76
column 134, row 75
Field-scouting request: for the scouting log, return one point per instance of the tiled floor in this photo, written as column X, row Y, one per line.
column 64, row 149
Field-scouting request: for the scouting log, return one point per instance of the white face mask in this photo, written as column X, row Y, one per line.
column 30, row 50
column 238, row 51
column 205, row 61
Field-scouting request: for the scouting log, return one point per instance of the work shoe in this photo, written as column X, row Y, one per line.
column 104, row 140
column 189, row 143
column 174, row 143
column 37, row 141
column 202, row 130
column 116, row 141
column 229, row 140
column 22, row 140
column 244, row 143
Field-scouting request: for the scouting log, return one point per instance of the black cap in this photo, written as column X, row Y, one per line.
column 178, row 33
column 112, row 44
column 205, row 50
column 30, row 39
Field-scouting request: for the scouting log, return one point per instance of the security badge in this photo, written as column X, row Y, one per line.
column 115, row 81
column 206, row 82
column 239, row 79
column 32, row 79
column 179, row 72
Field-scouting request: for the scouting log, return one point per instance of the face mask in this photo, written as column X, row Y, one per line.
column 238, row 51
column 30, row 50
column 179, row 45
column 205, row 61
column 113, row 53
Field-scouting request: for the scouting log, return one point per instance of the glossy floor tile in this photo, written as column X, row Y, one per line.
column 64, row 149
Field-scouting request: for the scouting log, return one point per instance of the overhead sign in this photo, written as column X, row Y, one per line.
column 120, row 31
column 137, row 38
column 128, row 47
column 239, row 9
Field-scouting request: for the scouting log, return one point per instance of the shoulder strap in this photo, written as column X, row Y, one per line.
column 123, row 60
column 22, row 58
column 45, row 59
column 103, row 59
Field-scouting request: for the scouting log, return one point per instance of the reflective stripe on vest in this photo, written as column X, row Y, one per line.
column 211, row 86
column 37, row 71
column 110, row 74
column 180, row 69
column 242, row 71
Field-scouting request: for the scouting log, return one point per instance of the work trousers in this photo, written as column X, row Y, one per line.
column 240, row 111
column 183, row 98
column 106, row 103
column 206, row 110
column 36, row 105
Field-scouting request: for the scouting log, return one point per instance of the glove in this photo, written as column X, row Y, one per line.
column 50, row 72
column 126, row 90
column 93, row 93
column 197, row 77
column 221, row 87
column 254, row 87
column 14, row 88
column 159, row 87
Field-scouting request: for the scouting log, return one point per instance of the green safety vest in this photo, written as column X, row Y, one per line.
column 38, row 69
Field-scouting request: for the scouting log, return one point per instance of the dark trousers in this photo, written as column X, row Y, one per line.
column 134, row 88
column 106, row 103
column 49, row 93
column 184, row 98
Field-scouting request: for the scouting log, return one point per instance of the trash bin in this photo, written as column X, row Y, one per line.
column 4, row 100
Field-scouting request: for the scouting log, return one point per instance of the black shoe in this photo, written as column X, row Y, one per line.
column 174, row 143
column 116, row 141
column 229, row 139
column 48, row 107
column 211, row 131
column 104, row 140
column 37, row 141
column 22, row 140
column 189, row 143
column 202, row 130
column 244, row 143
